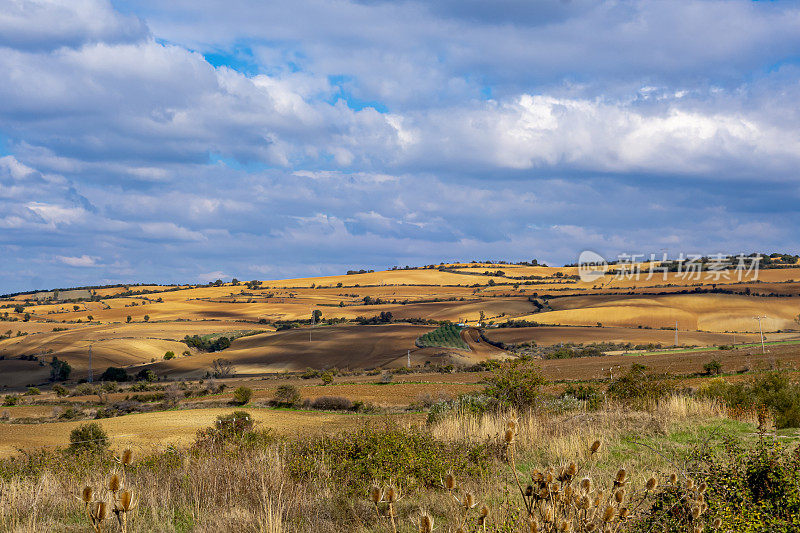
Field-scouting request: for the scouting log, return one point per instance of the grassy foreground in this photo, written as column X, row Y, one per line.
column 462, row 471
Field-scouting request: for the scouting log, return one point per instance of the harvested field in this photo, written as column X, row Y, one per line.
column 546, row 336
column 156, row 430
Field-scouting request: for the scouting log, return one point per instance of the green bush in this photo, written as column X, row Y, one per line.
column 713, row 367
column 639, row 385
column 114, row 373
column 33, row 391
column 326, row 377
column 242, row 395
column 771, row 391
column 169, row 355
column 11, row 399
column 88, row 437
column 287, row 395
column 585, row 393
column 516, row 383
column 60, row 390
column 412, row 458
column 752, row 488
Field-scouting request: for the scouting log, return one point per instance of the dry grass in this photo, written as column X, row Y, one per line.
column 558, row 438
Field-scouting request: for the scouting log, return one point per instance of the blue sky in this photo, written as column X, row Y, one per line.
column 184, row 141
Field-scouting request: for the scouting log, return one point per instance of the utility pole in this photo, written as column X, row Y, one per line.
column 90, row 363
column 676, row 333
column 761, row 332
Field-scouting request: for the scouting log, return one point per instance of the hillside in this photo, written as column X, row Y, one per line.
column 135, row 326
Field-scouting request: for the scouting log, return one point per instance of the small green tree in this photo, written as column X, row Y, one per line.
column 11, row 399
column 147, row 318
column 287, row 395
column 114, row 373
column 33, row 391
column 88, row 437
column 60, row 390
column 326, row 377
column 59, row 370
column 128, row 319
column 713, row 367
column 242, row 395
column 169, row 355
column 516, row 383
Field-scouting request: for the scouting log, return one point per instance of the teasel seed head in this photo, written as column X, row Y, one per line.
column 391, row 494
column 127, row 457
column 572, row 469
column 586, row 484
column 696, row 512
column 449, row 481
column 673, row 478
column 698, row 529
column 619, row 495
column 426, row 523
column 115, row 483
column 529, row 491
column 126, row 502
column 511, row 424
column 509, row 436
column 469, row 501
column 702, row 488
column 100, row 511
column 584, row 502
column 652, row 483
column 690, row 484
column 624, row 512
column 533, row 526
column 591, row 526
column 717, row 523
column 594, row 447
column 622, row 475
column 608, row 514
column 86, row 494
column 565, row 526
column 484, row 512
column 375, row 494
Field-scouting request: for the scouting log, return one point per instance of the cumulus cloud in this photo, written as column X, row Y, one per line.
column 82, row 261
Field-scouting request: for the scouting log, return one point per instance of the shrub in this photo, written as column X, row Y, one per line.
column 287, row 395
column 114, row 373
column 59, row 370
column 516, row 383
column 169, row 355
column 88, row 437
column 11, row 399
column 146, row 375
column 332, row 403
column 33, row 391
column 310, row 373
column 412, row 458
column 242, row 395
column 713, row 367
column 771, row 391
column 585, row 393
column 326, row 377
column 230, row 428
column 60, row 390
column 639, row 385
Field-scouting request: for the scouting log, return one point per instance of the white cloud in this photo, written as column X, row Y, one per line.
column 82, row 261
